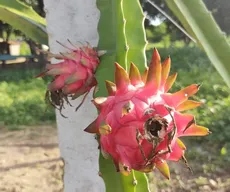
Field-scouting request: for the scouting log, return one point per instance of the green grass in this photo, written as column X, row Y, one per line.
column 168, row 44
column 24, row 49
column 22, row 98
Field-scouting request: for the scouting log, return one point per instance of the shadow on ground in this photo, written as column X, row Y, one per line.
column 30, row 160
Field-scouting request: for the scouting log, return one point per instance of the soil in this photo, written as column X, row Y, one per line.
column 30, row 160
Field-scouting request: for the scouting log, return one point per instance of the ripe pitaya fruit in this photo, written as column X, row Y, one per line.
column 140, row 123
column 73, row 76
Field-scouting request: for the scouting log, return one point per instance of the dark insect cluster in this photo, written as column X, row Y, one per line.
column 56, row 99
column 154, row 125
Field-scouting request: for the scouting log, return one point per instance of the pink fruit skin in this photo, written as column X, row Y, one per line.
column 140, row 123
column 75, row 73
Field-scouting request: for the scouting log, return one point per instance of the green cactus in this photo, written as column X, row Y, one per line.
column 122, row 36
column 135, row 34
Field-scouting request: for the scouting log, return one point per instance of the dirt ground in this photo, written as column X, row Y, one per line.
column 30, row 162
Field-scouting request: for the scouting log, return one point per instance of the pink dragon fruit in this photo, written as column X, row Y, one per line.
column 140, row 124
column 73, row 76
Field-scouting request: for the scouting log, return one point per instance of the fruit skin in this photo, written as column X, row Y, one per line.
column 73, row 76
column 140, row 123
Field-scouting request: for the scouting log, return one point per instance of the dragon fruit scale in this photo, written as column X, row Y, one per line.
column 73, row 76
column 140, row 124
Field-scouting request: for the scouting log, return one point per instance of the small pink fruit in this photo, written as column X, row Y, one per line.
column 140, row 124
column 73, row 76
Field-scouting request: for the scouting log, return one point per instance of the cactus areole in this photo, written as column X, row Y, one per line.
column 140, row 124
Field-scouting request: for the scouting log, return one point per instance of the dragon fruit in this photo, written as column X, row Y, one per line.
column 140, row 124
column 73, row 76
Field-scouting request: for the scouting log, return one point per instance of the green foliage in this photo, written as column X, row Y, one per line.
column 204, row 29
column 24, row 49
column 218, row 8
column 22, row 99
column 159, row 34
column 19, row 15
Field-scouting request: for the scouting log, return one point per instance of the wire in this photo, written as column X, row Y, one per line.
column 171, row 19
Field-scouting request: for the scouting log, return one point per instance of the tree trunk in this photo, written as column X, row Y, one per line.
column 76, row 20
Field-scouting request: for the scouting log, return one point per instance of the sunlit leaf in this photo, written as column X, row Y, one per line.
column 25, row 19
column 198, row 21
